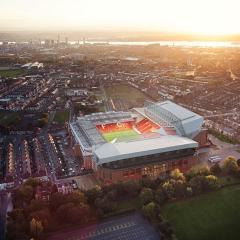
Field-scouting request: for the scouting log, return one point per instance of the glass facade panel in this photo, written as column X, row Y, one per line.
column 174, row 157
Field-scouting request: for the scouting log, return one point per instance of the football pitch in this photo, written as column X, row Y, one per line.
column 121, row 135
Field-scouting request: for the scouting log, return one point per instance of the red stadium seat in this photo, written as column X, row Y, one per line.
column 145, row 126
column 114, row 127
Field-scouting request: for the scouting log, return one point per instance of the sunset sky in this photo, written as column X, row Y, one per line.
column 208, row 17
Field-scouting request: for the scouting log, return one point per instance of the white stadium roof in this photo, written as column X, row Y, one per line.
column 110, row 152
column 180, row 112
column 186, row 122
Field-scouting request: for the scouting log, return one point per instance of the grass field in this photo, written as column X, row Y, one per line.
column 126, row 95
column 11, row 73
column 211, row 216
column 124, row 91
column 61, row 116
column 9, row 118
column 121, row 135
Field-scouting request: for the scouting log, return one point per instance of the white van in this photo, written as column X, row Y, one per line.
column 214, row 159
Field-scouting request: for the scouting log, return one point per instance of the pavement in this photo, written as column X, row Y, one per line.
column 18, row 161
column 50, row 156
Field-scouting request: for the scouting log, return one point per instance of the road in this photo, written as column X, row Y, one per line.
column 107, row 105
column 220, row 115
column 47, row 153
column 18, row 160
column 49, row 158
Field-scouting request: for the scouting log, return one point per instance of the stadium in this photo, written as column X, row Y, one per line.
column 148, row 141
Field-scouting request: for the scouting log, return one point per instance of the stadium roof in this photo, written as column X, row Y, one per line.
column 187, row 123
column 110, row 152
column 180, row 112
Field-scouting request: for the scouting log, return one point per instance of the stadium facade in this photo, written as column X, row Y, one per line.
column 149, row 141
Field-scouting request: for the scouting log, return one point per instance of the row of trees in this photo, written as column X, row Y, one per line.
column 198, row 180
column 105, row 199
column 43, row 120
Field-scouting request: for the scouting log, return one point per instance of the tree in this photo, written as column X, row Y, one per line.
column 165, row 227
column 230, row 165
column 76, row 197
column 149, row 210
column 36, row 205
column 36, row 228
column 63, row 211
column 238, row 162
column 132, row 188
column 32, row 182
column 196, row 184
column 17, row 225
column 180, row 189
column 215, row 169
column 105, row 204
column 189, row 191
column 119, row 187
column 54, row 189
column 45, row 115
column 112, row 195
column 93, row 193
column 74, row 215
column 146, row 182
column 177, row 175
column 168, row 189
column 26, row 193
column 42, row 122
column 42, row 215
column 57, row 199
column 78, row 214
column 202, row 170
column 211, row 182
column 160, row 196
column 146, row 195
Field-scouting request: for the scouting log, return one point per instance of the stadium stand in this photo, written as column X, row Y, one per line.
column 114, row 127
column 145, row 126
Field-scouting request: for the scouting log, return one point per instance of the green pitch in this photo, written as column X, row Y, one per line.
column 10, row 73
column 121, row 135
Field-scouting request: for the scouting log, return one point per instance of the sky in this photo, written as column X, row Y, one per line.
column 208, row 17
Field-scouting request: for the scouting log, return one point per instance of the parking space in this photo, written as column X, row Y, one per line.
column 128, row 227
column 83, row 182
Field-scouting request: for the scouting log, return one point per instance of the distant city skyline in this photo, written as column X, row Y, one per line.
column 215, row 17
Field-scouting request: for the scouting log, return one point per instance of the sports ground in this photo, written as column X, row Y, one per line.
column 10, row 73
column 124, row 97
column 214, row 215
column 121, row 135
